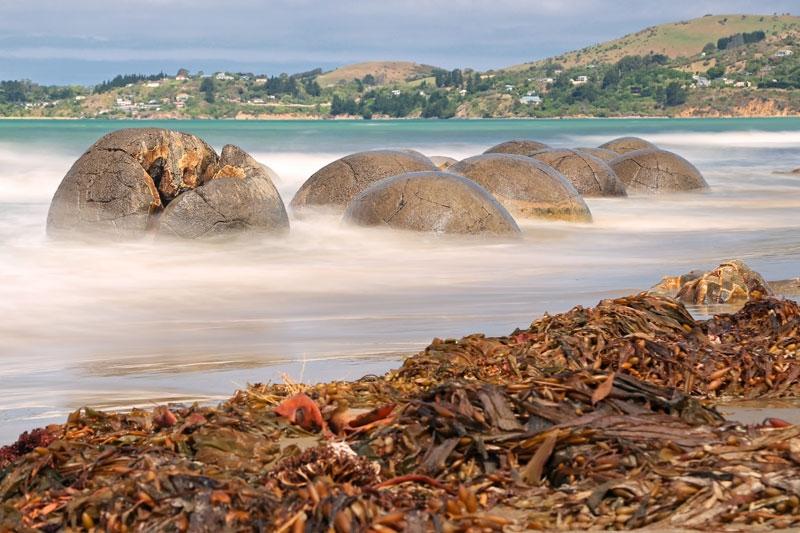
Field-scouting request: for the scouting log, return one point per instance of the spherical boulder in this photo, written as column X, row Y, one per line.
column 526, row 187
column 334, row 185
column 590, row 176
column 443, row 162
column 657, row 171
column 623, row 145
column 431, row 201
column 517, row 147
column 239, row 197
column 599, row 153
column 105, row 193
column 131, row 182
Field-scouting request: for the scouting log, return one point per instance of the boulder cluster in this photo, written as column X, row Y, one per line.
column 135, row 182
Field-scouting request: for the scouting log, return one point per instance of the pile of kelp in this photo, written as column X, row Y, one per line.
column 754, row 353
column 476, row 435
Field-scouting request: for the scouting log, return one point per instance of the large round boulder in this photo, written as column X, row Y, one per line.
column 590, row 176
column 623, row 145
column 121, row 185
column 239, row 197
column 334, row 185
column 105, row 193
column 657, row 171
column 432, row 201
column 517, row 147
column 600, row 153
column 526, row 187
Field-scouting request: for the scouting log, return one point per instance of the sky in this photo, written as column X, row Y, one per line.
column 88, row 41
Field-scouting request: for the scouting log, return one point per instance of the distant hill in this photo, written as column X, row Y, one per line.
column 384, row 72
column 677, row 39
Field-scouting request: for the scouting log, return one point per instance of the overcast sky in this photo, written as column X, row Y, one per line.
column 86, row 41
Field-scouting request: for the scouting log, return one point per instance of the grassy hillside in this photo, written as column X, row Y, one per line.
column 674, row 40
column 384, row 72
column 734, row 65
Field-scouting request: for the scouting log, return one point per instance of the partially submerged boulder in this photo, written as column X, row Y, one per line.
column 525, row 186
column 623, row 145
column 517, row 147
column 105, row 193
column 120, row 186
column 731, row 282
column 590, row 176
column 334, row 185
column 657, row 171
column 600, row 153
column 239, row 197
column 443, row 162
column 439, row 202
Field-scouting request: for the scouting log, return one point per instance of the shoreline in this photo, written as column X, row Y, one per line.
column 390, row 119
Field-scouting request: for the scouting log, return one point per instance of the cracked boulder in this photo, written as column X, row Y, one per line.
column 433, row 201
column 657, row 171
column 105, row 193
column 590, row 176
column 527, row 188
column 334, row 185
column 599, row 153
column 730, row 283
column 119, row 187
column 517, row 147
column 623, row 145
column 239, row 197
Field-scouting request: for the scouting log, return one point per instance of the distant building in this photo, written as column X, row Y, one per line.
column 701, row 81
column 223, row 76
column 79, row 98
column 182, row 75
column 531, row 100
column 783, row 53
column 462, row 92
column 260, row 81
column 153, row 84
column 396, row 92
column 580, row 80
column 509, row 88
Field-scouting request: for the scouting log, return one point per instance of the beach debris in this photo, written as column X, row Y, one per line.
column 730, row 283
column 591, row 419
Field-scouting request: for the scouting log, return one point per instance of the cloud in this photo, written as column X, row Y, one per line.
column 306, row 33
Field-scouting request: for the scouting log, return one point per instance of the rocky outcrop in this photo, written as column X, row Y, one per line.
column 239, row 197
column 517, row 147
column 122, row 184
column 525, row 186
column 590, row 176
column 439, row 202
column 624, row 145
column 657, row 171
column 334, row 185
column 731, row 282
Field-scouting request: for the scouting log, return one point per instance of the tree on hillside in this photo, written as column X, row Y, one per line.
column 715, row 72
column 207, row 88
column 675, row 94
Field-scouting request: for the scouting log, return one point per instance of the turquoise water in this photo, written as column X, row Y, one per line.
column 131, row 324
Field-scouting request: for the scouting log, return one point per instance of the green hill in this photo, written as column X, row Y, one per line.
column 674, row 40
